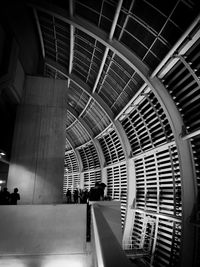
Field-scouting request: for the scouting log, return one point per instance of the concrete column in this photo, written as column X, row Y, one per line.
column 37, row 161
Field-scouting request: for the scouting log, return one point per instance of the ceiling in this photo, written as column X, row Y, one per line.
column 107, row 50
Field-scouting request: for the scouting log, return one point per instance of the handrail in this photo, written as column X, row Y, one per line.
column 107, row 250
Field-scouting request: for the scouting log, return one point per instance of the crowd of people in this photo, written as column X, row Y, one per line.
column 77, row 196
column 96, row 193
column 7, row 198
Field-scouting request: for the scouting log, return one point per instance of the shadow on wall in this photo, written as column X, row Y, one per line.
column 37, row 186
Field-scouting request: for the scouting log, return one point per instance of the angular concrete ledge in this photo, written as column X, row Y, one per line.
column 42, row 229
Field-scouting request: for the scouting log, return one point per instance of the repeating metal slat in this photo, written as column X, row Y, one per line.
column 188, row 86
column 71, row 181
column 71, row 163
column 90, row 178
column 111, row 147
column 89, row 157
column 117, row 186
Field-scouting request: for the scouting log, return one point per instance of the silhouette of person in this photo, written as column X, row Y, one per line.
column 84, row 196
column 69, row 196
column 102, row 187
column 95, row 192
column 5, row 196
column 76, row 195
column 14, row 197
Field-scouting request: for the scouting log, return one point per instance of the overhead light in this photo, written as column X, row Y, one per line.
column 147, row 90
column 129, row 109
column 109, row 129
column 122, row 117
column 2, row 153
column 139, row 99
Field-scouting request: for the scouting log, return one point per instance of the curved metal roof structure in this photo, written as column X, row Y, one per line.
column 132, row 69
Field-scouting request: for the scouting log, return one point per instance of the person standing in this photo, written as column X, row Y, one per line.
column 4, row 196
column 76, row 196
column 69, row 196
column 14, row 197
column 95, row 192
column 102, row 187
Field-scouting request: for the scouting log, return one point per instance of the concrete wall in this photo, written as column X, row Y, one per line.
column 37, row 161
column 43, row 235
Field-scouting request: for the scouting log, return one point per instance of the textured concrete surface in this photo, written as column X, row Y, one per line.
column 42, row 229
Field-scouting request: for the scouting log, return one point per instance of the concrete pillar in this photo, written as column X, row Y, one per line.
column 37, row 161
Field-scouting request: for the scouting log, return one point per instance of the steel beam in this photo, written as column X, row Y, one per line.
column 117, row 126
column 39, row 32
column 191, row 135
column 81, row 121
column 82, row 85
column 69, row 139
column 71, row 14
column 186, row 169
column 112, row 30
column 176, row 46
column 98, row 34
column 90, row 133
